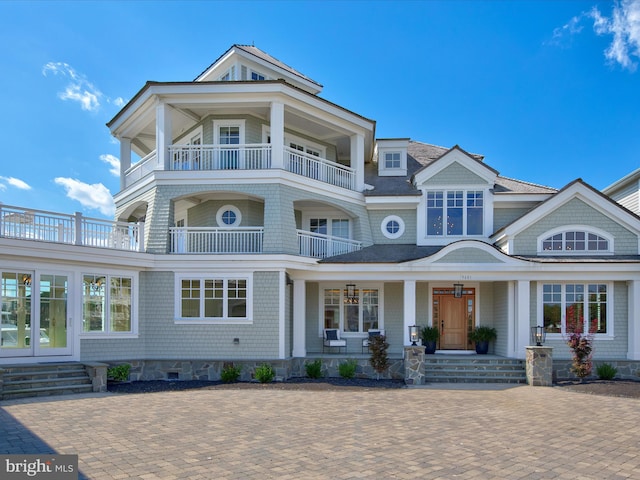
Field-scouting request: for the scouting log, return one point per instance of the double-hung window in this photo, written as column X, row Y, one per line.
column 107, row 304
column 210, row 299
column 576, row 308
column 455, row 213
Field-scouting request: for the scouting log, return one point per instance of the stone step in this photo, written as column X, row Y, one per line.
column 473, row 369
column 45, row 382
column 20, row 381
column 46, row 391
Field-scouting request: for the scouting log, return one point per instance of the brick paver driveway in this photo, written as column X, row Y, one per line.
column 520, row 432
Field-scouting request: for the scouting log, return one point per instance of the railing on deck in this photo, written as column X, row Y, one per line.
column 220, row 157
column 39, row 225
column 322, row 246
column 216, row 239
column 243, row 157
column 318, row 168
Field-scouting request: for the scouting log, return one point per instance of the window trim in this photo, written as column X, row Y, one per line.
column 360, row 286
column 134, row 308
column 563, row 321
column 386, row 221
column 383, row 170
column 574, row 228
column 179, row 320
column 217, row 124
column 224, row 209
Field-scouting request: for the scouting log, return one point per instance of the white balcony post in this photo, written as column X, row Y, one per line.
column 633, row 328
column 277, row 135
column 409, row 308
column 125, row 160
column 78, row 227
column 299, row 319
column 163, row 134
column 357, row 161
column 141, row 236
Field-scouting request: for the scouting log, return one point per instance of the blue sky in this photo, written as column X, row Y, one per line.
column 548, row 91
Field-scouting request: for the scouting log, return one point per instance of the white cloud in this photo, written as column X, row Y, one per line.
column 113, row 162
column 118, row 102
column 15, row 182
column 624, row 25
column 95, row 197
column 79, row 89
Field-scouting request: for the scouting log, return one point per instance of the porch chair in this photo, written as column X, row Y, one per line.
column 331, row 338
column 371, row 333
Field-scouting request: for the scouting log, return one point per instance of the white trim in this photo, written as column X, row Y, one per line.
column 282, row 283
column 221, row 211
column 385, row 222
column 448, row 159
column 240, row 123
column 190, row 136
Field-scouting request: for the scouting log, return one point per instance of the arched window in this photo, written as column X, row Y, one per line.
column 574, row 241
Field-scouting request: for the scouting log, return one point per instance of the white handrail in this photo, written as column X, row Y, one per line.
column 216, row 239
column 40, row 225
column 255, row 156
column 318, row 245
column 319, row 168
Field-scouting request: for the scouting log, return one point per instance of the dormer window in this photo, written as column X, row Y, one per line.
column 257, row 76
column 392, row 157
column 574, row 242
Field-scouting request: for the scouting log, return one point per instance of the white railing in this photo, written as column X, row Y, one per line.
column 216, row 239
column 20, row 223
column 141, row 169
column 243, row 157
column 220, row 157
column 318, row 168
column 322, row 246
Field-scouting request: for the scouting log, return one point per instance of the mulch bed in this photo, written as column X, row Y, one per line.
column 610, row 388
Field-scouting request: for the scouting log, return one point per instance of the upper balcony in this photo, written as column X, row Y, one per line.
column 244, row 157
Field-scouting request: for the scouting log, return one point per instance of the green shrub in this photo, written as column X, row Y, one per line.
column 348, row 369
column 314, row 369
column 606, row 371
column 119, row 373
column 230, row 373
column 264, row 373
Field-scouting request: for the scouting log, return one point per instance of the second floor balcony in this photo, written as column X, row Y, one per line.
column 244, row 157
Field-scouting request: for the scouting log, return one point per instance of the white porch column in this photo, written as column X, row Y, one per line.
column 277, row 135
column 357, row 162
column 125, row 160
column 511, row 319
column 633, row 348
column 163, row 134
column 522, row 314
column 299, row 318
column 409, row 308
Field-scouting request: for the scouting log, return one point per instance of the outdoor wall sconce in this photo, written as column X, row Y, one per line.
column 538, row 335
column 413, row 335
column 351, row 293
column 236, row 341
column 457, row 290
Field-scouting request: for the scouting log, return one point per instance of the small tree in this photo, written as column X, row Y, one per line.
column 379, row 359
column 581, row 346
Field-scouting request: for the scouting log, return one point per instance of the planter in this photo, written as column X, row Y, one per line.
column 430, row 347
column 482, row 347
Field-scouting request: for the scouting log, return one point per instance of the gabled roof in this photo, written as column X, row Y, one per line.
column 632, row 177
column 264, row 56
column 420, row 155
column 453, row 155
column 576, row 188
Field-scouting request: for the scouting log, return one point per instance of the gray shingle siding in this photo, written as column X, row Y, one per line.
column 576, row 212
column 468, row 255
column 409, row 218
column 455, row 174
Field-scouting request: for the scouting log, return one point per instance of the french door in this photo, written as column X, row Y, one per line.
column 35, row 315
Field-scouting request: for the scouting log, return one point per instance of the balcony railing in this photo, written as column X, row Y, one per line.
column 244, row 157
column 220, row 157
column 318, row 168
column 322, row 246
column 39, row 225
column 216, row 239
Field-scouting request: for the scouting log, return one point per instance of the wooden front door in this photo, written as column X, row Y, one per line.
column 454, row 317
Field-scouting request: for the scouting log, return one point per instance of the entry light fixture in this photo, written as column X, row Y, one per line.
column 413, row 335
column 538, row 335
column 457, row 290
